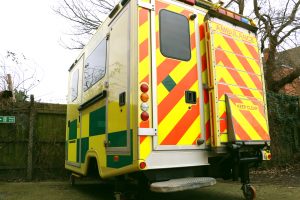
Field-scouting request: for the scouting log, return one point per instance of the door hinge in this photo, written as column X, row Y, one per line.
column 107, row 36
column 106, row 84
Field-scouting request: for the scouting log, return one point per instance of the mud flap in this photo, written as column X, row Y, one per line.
column 246, row 120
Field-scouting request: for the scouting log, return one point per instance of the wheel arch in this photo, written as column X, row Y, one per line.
column 90, row 158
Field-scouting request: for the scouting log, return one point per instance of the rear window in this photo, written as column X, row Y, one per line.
column 174, row 35
column 95, row 66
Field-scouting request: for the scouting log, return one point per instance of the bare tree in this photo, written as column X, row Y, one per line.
column 22, row 72
column 278, row 26
column 86, row 16
column 278, row 30
column 239, row 3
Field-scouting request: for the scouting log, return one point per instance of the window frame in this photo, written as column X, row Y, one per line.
column 77, row 85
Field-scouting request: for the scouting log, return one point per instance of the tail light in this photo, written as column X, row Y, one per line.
column 144, row 116
column 144, row 97
column 144, row 88
column 143, row 165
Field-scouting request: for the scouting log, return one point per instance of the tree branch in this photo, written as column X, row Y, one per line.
column 277, row 85
column 290, row 19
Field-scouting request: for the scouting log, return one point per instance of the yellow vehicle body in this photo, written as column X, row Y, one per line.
column 204, row 95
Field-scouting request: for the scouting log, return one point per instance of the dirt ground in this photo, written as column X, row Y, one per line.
column 271, row 184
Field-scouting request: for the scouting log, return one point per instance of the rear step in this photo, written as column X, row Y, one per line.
column 181, row 184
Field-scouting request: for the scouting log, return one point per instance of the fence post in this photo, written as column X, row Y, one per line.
column 30, row 138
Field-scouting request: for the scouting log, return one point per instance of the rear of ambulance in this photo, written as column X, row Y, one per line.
column 171, row 115
column 201, row 92
column 172, row 118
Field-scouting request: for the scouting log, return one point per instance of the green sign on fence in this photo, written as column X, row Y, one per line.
column 7, row 119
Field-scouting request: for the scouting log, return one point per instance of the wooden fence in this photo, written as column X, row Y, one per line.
column 33, row 147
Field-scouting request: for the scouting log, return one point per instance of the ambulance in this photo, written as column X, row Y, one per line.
column 171, row 94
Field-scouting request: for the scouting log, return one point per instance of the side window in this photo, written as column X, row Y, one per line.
column 95, row 66
column 74, row 86
column 174, row 35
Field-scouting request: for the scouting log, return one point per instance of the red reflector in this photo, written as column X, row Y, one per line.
column 116, row 158
column 143, row 165
column 222, row 11
column 191, row 2
column 144, row 88
column 237, row 17
column 144, row 116
column 269, row 156
column 230, row 14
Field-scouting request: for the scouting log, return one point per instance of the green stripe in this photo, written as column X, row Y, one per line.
column 118, row 139
column 124, row 160
column 169, row 83
column 97, row 122
column 84, row 148
column 73, row 130
column 77, row 150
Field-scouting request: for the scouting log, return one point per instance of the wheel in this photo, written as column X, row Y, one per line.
column 249, row 192
column 72, row 180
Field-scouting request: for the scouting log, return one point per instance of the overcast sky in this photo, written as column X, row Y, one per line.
column 32, row 28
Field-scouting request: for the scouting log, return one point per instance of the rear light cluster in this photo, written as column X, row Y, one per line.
column 144, row 97
column 234, row 16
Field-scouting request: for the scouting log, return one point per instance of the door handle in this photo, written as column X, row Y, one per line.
column 190, row 97
column 122, row 99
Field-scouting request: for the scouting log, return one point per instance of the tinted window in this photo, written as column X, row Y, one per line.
column 174, row 35
column 94, row 68
column 74, row 87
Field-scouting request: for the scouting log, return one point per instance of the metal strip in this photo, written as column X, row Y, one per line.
column 154, row 75
column 239, row 70
column 146, row 131
column 80, row 111
column 177, row 147
column 107, row 86
column 73, row 164
column 199, row 67
column 243, row 87
column 129, row 139
column 231, row 52
column 215, row 96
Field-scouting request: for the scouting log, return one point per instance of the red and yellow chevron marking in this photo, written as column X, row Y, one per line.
column 177, row 123
column 248, row 119
column 234, row 68
column 144, row 70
